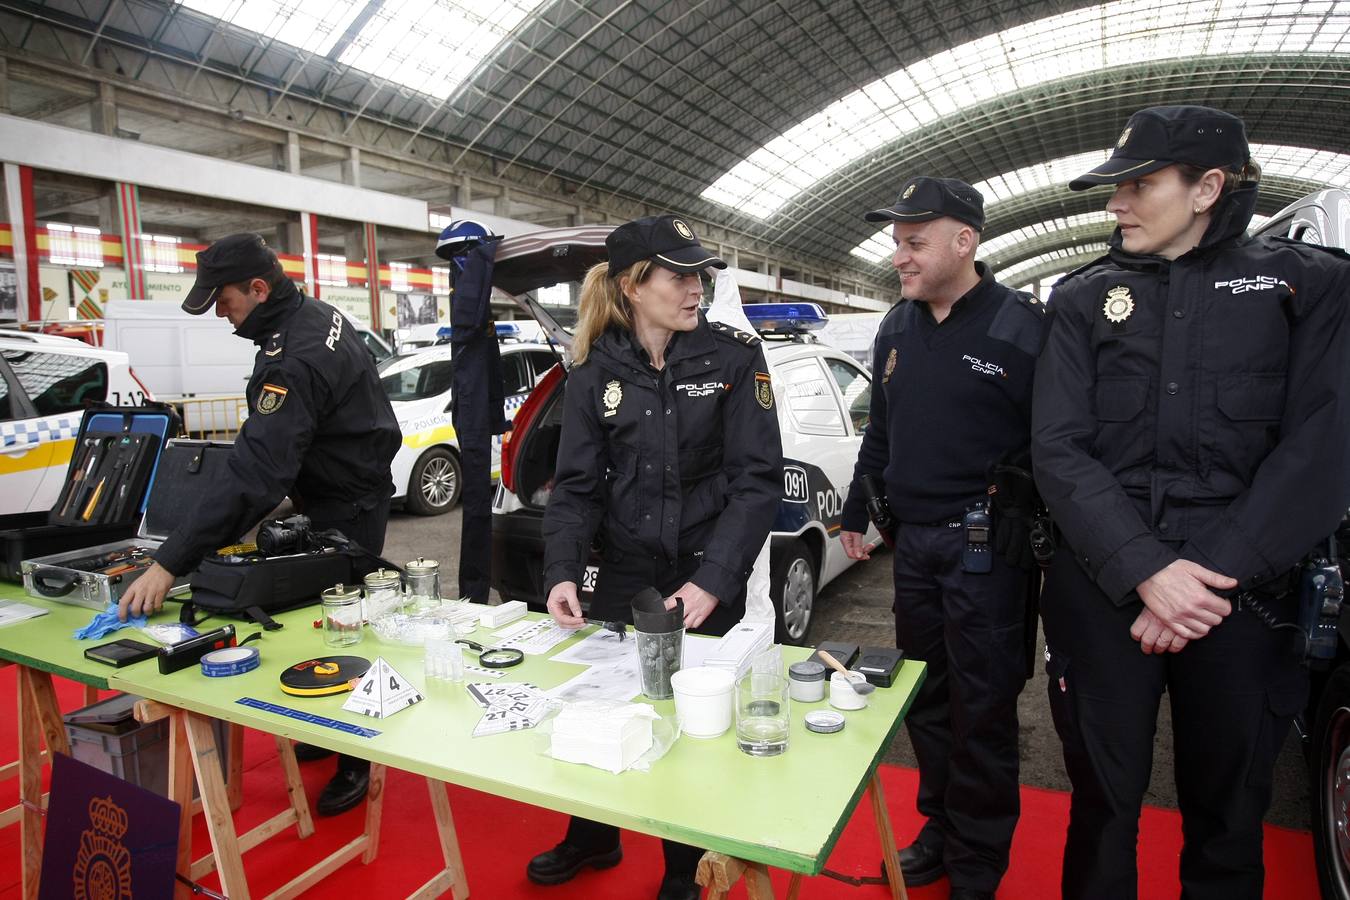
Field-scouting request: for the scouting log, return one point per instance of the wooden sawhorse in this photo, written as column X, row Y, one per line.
column 193, row 752
column 719, row 872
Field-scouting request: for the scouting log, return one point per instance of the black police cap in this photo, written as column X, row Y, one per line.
column 923, row 199
column 1160, row 136
column 665, row 240
column 230, row 260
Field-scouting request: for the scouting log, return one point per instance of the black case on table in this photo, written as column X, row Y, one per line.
column 118, row 447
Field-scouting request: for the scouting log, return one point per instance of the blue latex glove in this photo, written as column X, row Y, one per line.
column 106, row 623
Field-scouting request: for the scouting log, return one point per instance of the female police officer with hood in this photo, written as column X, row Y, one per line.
column 670, row 459
column 1189, row 428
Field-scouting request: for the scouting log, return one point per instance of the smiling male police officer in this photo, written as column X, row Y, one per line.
column 951, row 400
column 320, row 429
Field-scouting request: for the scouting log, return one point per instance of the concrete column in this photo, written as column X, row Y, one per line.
column 309, row 235
column 4, row 85
column 103, row 111
column 292, row 153
column 289, row 238
column 351, row 167
column 119, row 214
column 23, row 234
column 501, row 206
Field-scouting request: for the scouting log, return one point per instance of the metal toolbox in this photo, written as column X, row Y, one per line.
column 98, row 575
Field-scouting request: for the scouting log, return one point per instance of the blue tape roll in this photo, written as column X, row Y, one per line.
column 230, row 661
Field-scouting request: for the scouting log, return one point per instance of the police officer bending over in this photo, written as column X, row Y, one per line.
column 320, row 429
column 951, row 403
column 1190, row 434
column 671, row 455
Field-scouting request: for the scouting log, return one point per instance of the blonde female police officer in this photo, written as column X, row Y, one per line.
column 1189, row 433
column 670, row 457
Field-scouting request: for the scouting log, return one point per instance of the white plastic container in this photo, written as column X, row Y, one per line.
column 842, row 694
column 704, row 697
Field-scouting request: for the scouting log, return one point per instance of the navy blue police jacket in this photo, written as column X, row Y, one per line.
column 667, row 464
column 320, row 429
column 948, row 400
column 1197, row 408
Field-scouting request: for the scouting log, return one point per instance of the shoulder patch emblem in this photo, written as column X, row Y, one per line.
column 1119, row 304
column 613, row 396
column 764, row 389
column 274, row 346
column 890, row 367
column 271, row 398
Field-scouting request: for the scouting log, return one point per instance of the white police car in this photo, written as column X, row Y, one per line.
column 822, row 397
column 45, row 382
column 426, row 469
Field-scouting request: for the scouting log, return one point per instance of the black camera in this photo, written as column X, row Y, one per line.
column 283, row 536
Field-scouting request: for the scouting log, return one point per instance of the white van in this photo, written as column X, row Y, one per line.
column 196, row 358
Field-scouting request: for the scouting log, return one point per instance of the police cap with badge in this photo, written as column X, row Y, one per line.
column 666, row 240
column 230, row 260
column 1160, row 136
column 923, row 199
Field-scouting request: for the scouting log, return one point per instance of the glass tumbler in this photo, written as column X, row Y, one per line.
column 763, row 714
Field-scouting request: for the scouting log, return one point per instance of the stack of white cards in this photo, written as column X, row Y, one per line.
column 736, row 650
column 601, row 734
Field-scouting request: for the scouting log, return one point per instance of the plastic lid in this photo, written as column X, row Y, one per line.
column 703, row 681
column 824, row 721
column 807, row 670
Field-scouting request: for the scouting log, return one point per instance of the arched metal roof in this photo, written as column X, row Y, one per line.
column 661, row 103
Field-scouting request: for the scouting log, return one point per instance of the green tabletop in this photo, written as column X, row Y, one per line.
column 47, row 642
column 785, row 811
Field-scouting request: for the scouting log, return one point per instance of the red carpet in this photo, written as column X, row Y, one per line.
column 498, row 836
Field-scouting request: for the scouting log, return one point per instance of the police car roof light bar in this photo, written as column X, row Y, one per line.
column 785, row 318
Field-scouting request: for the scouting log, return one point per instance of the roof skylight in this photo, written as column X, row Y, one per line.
column 312, row 25
column 430, row 46
column 1073, row 43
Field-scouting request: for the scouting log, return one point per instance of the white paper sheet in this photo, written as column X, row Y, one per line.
column 619, row 681
column 603, row 648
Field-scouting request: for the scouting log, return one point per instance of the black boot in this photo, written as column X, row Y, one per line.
column 564, row 861
column 920, row 864
column 345, row 790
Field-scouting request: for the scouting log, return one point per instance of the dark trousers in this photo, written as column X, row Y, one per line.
column 1233, row 695
column 367, row 529
column 968, row 628
column 618, row 581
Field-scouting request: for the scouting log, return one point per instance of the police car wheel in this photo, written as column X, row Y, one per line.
column 1330, row 776
column 435, row 483
column 792, row 587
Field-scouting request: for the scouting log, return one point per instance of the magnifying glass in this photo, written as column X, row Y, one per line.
column 494, row 657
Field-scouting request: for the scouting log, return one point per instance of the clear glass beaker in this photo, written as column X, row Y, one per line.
column 342, row 619
column 423, row 580
column 763, row 714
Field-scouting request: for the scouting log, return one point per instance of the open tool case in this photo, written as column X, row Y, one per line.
column 93, row 576
column 112, row 463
